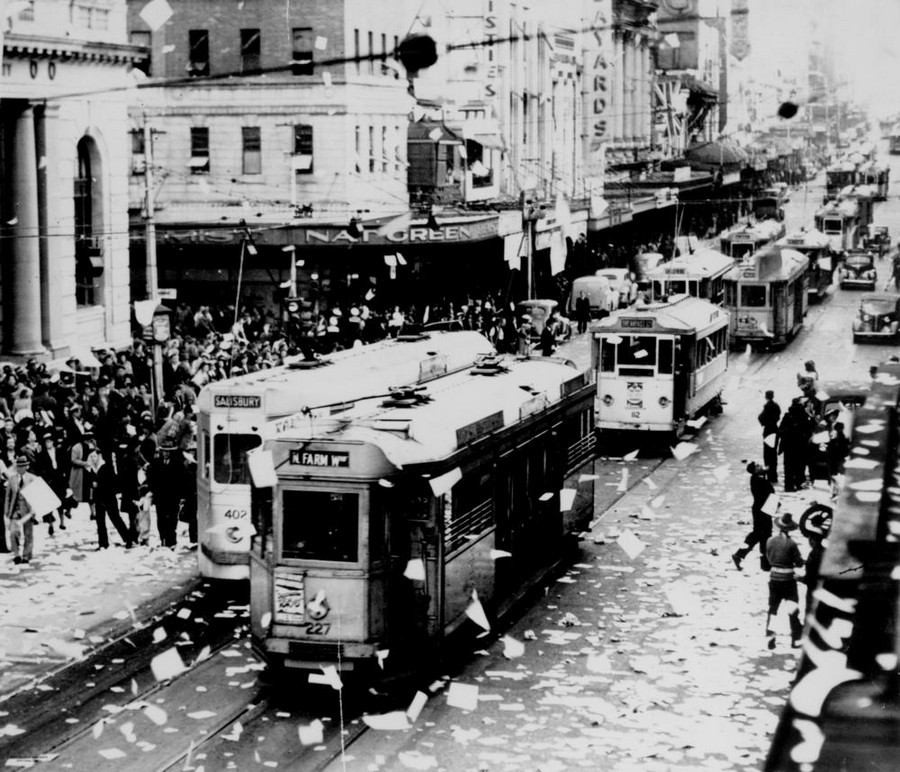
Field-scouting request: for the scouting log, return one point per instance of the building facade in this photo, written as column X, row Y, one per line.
column 64, row 87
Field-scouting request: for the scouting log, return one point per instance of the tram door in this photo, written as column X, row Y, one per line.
column 779, row 309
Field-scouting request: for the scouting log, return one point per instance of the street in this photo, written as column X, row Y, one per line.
column 648, row 653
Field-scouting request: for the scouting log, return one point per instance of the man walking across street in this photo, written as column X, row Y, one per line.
column 583, row 311
column 760, row 490
column 784, row 556
column 768, row 419
column 18, row 512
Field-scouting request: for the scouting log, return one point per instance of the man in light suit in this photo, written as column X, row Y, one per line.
column 18, row 513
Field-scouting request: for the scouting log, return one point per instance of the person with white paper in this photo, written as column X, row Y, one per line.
column 760, row 489
column 768, row 419
column 18, row 513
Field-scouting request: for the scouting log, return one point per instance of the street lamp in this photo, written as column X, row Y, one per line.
column 155, row 319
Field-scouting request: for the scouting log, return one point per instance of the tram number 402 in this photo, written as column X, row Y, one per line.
column 235, row 514
column 317, row 628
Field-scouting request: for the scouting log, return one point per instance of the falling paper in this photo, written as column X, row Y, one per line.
column 415, row 570
column 167, row 665
column 435, row 134
column 311, row 734
column 696, row 423
column 475, row 612
column 41, row 497
column 262, row 468
column 156, row 13
column 630, row 544
column 321, row 43
column 463, row 696
column 387, row 721
column 159, row 634
column 683, row 449
column 415, row 707
column 566, row 499
column 512, row 648
column 497, row 554
column 630, row 456
column 329, row 677
column 443, row 483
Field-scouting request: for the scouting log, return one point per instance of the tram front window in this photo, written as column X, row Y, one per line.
column 678, row 287
column 753, row 296
column 637, row 355
column 320, row 525
column 230, row 457
column 739, row 249
column 831, row 227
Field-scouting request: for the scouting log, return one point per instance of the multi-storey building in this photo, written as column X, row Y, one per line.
column 63, row 133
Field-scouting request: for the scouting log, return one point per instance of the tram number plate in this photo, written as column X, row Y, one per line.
column 316, row 628
column 290, row 601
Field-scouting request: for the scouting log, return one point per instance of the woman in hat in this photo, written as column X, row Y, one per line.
column 784, row 557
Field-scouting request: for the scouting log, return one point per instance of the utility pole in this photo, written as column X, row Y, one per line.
column 150, row 252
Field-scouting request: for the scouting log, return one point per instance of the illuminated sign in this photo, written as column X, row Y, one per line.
column 237, row 401
column 324, row 459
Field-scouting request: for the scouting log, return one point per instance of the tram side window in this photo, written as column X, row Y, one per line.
column 831, row 226
column 730, row 293
column 666, row 357
column 678, row 287
column 230, row 457
column 753, row 296
column 320, row 525
column 203, row 452
column 471, row 509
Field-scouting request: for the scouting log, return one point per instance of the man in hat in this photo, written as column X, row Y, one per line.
column 768, row 419
column 48, row 464
column 760, row 490
column 18, row 513
column 784, row 557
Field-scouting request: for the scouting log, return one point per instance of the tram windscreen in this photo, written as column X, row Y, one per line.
column 230, row 457
column 753, row 296
column 831, row 226
column 636, row 355
column 741, row 248
column 320, row 525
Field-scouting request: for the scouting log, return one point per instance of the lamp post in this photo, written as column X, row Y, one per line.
column 156, row 322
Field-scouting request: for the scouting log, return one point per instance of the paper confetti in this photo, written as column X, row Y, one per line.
column 464, row 696
column 312, row 733
column 684, row 449
column 475, row 612
column 415, row 570
column 415, row 707
column 393, row 721
column 512, row 649
column 630, row 544
column 497, row 554
column 167, row 665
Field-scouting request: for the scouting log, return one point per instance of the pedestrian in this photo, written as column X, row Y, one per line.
column 582, row 311
column 524, row 336
column 760, row 490
column 17, row 512
column 794, row 434
column 837, row 452
column 100, row 476
column 784, row 557
column 768, row 419
column 548, row 340
column 78, row 454
column 49, row 465
column 895, row 271
column 162, row 476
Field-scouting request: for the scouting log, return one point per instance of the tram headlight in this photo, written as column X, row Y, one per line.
column 664, row 401
column 607, row 399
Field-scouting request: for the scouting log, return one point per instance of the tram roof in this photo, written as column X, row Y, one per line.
column 804, row 237
column 351, row 373
column 769, row 264
column 845, row 207
column 857, row 191
column 680, row 314
column 762, row 229
column 448, row 413
column 701, row 264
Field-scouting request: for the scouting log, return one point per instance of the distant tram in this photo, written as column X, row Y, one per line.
column 387, row 522
column 817, row 248
column 894, row 140
column 765, row 296
column 839, row 221
column 864, row 196
column 233, row 412
column 746, row 239
column 660, row 365
column 698, row 275
column 838, row 176
column 877, row 177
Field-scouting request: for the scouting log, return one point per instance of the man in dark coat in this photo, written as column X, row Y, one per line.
column 163, row 475
column 795, row 432
column 583, row 311
column 50, row 464
column 768, row 419
column 760, row 490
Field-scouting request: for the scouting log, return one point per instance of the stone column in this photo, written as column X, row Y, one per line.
column 647, row 89
column 628, row 79
column 618, row 75
column 25, row 338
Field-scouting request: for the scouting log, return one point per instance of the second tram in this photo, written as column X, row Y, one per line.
column 383, row 528
column 748, row 238
column 877, row 177
column 766, row 297
column 660, row 365
column 839, row 221
column 838, row 176
column 698, row 275
column 817, row 248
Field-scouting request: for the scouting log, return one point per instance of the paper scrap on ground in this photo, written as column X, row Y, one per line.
column 566, row 499
column 415, row 707
column 387, row 721
column 630, row 456
column 512, row 648
column 683, row 449
column 630, row 544
column 463, row 696
column 167, row 665
column 311, row 734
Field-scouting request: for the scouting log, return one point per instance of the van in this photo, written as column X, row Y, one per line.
column 598, row 290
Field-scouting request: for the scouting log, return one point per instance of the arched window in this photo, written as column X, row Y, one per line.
column 88, row 248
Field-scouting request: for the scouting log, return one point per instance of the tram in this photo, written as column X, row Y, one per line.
column 843, row 708
column 817, row 248
column 765, row 296
column 233, row 412
column 385, row 524
column 838, row 176
column 699, row 275
column 877, row 177
column 746, row 239
column 660, row 365
column 864, row 196
column 839, row 221
column 894, row 140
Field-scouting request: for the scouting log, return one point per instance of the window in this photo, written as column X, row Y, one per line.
column 27, row 13
column 358, row 148
column 666, row 354
column 198, row 62
column 138, row 152
column 88, row 255
column 371, row 148
column 303, row 148
column 384, row 149
column 141, row 38
column 199, row 150
column 371, row 53
column 637, row 350
column 320, row 525
column 753, row 296
column 357, row 54
column 250, row 50
column 384, row 54
column 607, row 356
column 396, row 46
column 230, row 457
column 89, row 16
column 471, row 511
column 730, row 294
column 252, row 157
column 397, row 150
column 302, row 56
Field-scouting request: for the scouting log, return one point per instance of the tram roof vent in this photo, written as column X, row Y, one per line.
column 302, row 363
column 489, row 364
column 407, row 396
column 412, row 336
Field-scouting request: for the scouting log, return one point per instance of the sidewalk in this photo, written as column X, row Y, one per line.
column 72, row 599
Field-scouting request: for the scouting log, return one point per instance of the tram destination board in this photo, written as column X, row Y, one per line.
column 320, row 458
column 636, row 324
column 250, row 401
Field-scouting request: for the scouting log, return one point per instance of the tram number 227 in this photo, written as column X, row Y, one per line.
column 317, row 628
column 235, row 514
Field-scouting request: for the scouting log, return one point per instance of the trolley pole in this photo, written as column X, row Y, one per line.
column 152, row 280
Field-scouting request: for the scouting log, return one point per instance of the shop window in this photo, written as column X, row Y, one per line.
column 198, row 43
column 303, row 148
column 138, row 152
column 302, row 54
column 250, row 50
column 251, row 145
column 88, row 250
column 199, row 150
column 141, row 38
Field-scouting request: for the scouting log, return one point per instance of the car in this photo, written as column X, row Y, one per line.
column 878, row 317
column 878, row 239
column 600, row 295
column 857, row 270
column 621, row 281
column 540, row 311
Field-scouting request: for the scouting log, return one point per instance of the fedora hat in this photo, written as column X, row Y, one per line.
column 786, row 522
column 22, row 460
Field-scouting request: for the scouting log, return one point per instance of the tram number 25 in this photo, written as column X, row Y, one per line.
column 317, row 628
column 235, row 514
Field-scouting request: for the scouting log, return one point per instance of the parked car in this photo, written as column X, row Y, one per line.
column 621, row 282
column 878, row 239
column 857, row 270
column 543, row 312
column 602, row 298
column 878, row 317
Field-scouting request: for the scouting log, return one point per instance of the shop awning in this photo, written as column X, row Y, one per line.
column 721, row 153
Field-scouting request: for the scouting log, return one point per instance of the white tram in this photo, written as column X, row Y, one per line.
column 233, row 412
column 749, row 237
column 766, row 297
column 698, row 275
column 840, row 222
column 660, row 365
column 386, row 522
column 817, row 248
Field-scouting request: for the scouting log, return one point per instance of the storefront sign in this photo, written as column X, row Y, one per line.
column 598, row 76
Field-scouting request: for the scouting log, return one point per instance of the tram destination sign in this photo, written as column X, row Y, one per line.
column 323, row 459
column 636, row 324
column 237, row 400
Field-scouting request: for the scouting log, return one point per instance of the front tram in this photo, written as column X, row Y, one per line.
column 746, row 239
column 817, row 248
column 839, row 221
column 660, row 365
column 699, row 275
column 765, row 296
column 385, row 525
column 232, row 414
